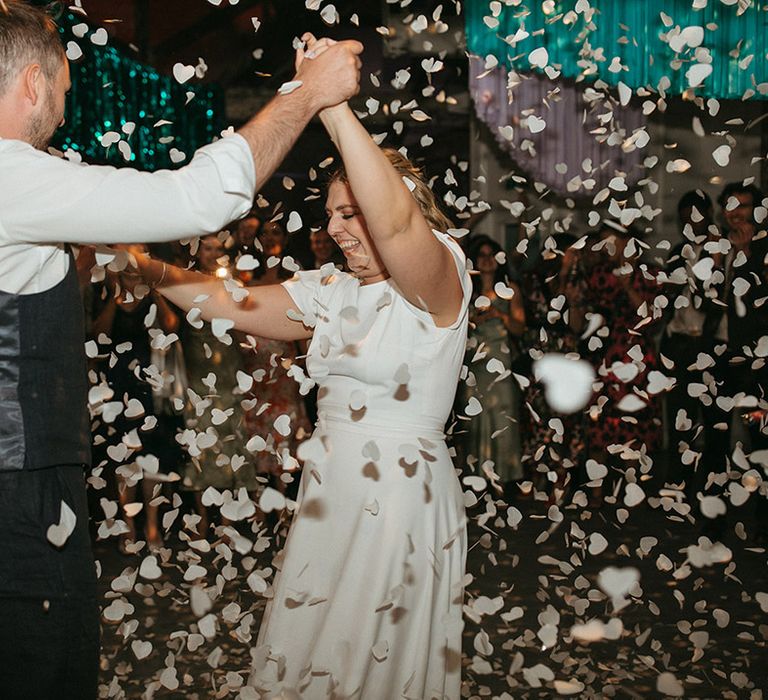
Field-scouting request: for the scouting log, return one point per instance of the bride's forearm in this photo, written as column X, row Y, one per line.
column 182, row 287
column 190, row 289
column 258, row 310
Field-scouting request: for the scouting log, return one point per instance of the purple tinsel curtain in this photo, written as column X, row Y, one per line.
column 574, row 138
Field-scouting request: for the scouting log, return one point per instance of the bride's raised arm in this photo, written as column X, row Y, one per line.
column 418, row 262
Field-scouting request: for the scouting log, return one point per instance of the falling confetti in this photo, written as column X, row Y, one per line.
column 603, row 570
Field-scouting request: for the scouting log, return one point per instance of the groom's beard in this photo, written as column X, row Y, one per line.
column 42, row 126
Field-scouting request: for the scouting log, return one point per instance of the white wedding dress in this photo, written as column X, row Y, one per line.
column 367, row 602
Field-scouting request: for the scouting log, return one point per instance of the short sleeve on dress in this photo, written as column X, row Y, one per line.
column 304, row 290
column 460, row 260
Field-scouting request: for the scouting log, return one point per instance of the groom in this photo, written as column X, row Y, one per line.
column 49, row 615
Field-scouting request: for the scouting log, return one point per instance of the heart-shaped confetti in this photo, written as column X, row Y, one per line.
column 73, row 51
column 535, row 124
column 538, row 58
column 567, row 382
column 329, row 14
column 271, row 500
column 58, row 533
column 473, row 407
column 183, row 73
column 149, row 568
column 100, row 37
column 698, row 73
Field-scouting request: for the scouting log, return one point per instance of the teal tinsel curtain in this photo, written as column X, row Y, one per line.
column 111, row 89
column 584, row 37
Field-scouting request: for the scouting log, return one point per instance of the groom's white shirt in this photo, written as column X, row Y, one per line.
column 46, row 202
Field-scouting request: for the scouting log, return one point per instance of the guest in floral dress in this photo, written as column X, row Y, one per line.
column 622, row 290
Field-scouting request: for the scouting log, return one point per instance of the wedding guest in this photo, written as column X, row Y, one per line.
column 212, row 408
column 684, row 339
column 497, row 322
column 553, row 294
column 622, row 289
column 276, row 392
column 737, row 322
column 122, row 319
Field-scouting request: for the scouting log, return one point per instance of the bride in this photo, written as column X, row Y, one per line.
column 367, row 599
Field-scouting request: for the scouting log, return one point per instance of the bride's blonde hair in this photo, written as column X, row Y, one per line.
column 421, row 190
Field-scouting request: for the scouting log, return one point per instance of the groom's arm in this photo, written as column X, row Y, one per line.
column 50, row 200
column 331, row 78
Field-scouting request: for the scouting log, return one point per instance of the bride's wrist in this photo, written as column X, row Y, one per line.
column 157, row 281
column 152, row 272
column 331, row 116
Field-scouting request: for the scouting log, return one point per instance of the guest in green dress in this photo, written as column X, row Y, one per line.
column 491, row 438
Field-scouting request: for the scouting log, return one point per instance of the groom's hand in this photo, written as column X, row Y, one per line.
column 332, row 75
column 312, row 48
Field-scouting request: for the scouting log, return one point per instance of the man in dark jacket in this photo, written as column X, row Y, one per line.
column 683, row 338
column 736, row 321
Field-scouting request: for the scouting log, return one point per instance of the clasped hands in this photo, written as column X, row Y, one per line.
column 329, row 68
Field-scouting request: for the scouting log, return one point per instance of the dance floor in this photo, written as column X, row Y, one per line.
column 684, row 628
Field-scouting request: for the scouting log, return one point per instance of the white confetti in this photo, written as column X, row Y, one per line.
column 294, row 222
column 722, row 155
column 617, row 582
column 183, row 73
column 283, row 425
column 59, row 533
column 597, row 543
column 74, row 52
column 329, row 15
column 538, row 57
column 149, row 568
column 473, row 407
column 625, row 94
column 697, row 73
column 100, row 37
column 535, row 124
column 220, row 326
column 288, row 87
column 668, row 684
column 271, row 499
column 567, row 382
column 633, row 495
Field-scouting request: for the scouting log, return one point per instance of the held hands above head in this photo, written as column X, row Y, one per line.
column 329, row 70
column 326, row 80
column 381, row 227
column 313, row 48
column 318, row 51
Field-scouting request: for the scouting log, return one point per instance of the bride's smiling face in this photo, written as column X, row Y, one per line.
column 347, row 227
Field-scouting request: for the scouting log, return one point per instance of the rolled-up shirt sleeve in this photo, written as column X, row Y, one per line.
column 51, row 200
